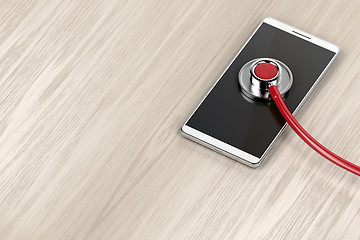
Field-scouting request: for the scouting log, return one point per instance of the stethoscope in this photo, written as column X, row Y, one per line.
column 268, row 79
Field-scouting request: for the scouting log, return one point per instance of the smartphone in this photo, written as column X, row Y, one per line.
column 244, row 130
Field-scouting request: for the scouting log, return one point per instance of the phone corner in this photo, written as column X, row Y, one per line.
column 269, row 20
column 249, row 161
column 255, row 164
column 183, row 130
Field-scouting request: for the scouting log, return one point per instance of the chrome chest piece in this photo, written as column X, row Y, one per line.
column 256, row 76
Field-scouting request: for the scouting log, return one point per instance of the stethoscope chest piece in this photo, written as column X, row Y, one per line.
column 257, row 75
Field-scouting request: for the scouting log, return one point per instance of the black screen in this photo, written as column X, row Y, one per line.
column 227, row 116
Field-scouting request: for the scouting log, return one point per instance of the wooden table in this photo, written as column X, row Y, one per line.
column 92, row 97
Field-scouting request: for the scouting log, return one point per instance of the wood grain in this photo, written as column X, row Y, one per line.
column 92, row 97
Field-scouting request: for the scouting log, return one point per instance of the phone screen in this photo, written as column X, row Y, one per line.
column 227, row 116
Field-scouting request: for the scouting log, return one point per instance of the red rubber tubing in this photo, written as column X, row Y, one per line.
column 304, row 135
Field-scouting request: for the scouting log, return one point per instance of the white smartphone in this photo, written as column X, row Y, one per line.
column 244, row 130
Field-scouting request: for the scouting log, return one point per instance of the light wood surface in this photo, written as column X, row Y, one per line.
column 92, row 97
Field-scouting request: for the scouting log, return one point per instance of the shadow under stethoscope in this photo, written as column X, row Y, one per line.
column 269, row 105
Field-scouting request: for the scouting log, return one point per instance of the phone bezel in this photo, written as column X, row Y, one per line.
column 233, row 152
